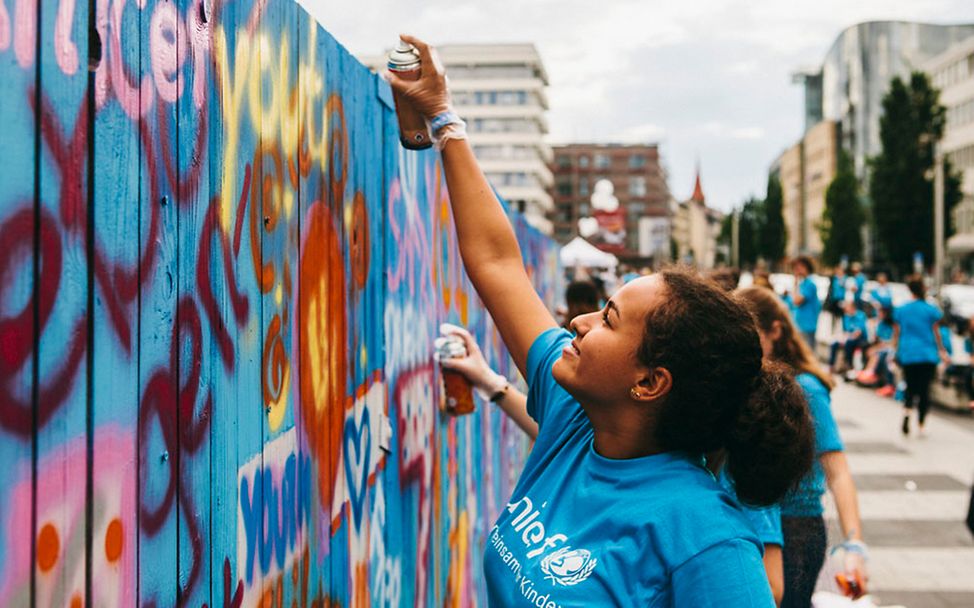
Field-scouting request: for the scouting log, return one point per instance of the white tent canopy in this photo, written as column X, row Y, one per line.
column 580, row 252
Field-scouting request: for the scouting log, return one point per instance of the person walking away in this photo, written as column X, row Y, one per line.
column 802, row 521
column 919, row 347
column 854, row 335
column 615, row 505
column 804, row 299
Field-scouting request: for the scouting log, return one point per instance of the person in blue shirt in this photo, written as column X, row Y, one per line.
column 854, row 335
column 876, row 373
column 802, row 524
column 804, row 299
column 615, row 505
column 859, row 284
column 764, row 521
column 881, row 295
column 919, row 347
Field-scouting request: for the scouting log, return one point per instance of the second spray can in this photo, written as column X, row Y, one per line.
column 413, row 132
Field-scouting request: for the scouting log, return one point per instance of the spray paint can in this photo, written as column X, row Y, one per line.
column 458, row 390
column 413, row 132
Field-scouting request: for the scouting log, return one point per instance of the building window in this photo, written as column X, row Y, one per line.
column 564, row 161
column 564, row 188
column 582, row 209
column 637, row 161
column 601, row 161
column 637, row 186
column 565, row 213
column 583, row 161
column 583, row 188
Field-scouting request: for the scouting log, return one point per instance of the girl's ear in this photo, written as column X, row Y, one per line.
column 653, row 385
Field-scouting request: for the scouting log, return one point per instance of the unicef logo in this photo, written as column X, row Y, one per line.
column 568, row 566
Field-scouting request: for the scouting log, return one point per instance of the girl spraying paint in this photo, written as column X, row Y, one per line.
column 615, row 506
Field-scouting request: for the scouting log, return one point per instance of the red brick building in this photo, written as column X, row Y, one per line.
column 635, row 173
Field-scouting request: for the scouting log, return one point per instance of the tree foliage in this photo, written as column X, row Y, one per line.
column 901, row 176
column 752, row 221
column 843, row 218
column 773, row 237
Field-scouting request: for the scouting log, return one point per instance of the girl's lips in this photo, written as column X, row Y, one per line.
column 571, row 349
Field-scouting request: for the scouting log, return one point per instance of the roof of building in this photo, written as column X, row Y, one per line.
column 698, row 190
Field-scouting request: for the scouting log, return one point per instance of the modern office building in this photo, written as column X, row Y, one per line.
column 499, row 89
column 638, row 180
column 849, row 86
column 953, row 73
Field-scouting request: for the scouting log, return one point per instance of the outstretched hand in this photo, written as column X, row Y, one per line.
column 429, row 95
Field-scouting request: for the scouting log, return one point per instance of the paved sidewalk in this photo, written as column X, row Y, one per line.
column 913, row 497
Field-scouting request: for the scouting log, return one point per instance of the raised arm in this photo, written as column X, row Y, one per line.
column 488, row 247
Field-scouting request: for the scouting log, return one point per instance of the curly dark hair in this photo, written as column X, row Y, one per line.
column 723, row 399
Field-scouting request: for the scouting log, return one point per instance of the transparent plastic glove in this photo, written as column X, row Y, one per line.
column 485, row 381
column 429, row 94
column 852, row 577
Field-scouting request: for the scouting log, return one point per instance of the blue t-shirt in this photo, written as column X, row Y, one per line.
column 806, row 499
column 855, row 322
column 945, row 340
column 860, row 280
column 584, row 530
column 882, row 295
column 765, row 521
column 838, row 288
column 917, row 343
column 806, row 314
column 884, row 331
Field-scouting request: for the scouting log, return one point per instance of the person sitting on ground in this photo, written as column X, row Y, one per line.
column 876, row 373
column 854, row 335
column 802, row 519
column 881, row 295
column 615, row 505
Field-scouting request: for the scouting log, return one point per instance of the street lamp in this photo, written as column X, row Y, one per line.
column 938, row 216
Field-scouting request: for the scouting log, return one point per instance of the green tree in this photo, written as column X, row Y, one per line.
column 901, row 176
column 843, row 218
column 750, row 231
column 773, row 227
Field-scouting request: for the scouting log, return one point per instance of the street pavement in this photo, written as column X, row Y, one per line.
column 913, row 497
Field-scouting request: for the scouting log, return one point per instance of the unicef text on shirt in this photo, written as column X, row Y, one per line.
column 563, row 565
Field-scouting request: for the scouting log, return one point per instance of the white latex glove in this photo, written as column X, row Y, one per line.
column 486, row 381
column 429, row 94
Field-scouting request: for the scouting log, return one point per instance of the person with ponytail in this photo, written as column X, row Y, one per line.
column 615, row 505
column 802, row 522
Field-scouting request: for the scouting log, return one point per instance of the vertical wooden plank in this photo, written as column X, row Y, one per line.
column 195, row 365
column 315, row 380
column 158, row 434
column 120, row 103
column 19, row 139
column 231, row 299
column 62, row 408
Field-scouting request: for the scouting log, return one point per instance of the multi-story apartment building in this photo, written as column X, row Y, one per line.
column 953, row 73
column 637, row 177
column 499, row 90
column 805, row 171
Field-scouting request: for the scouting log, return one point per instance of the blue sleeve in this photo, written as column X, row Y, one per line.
column 730, row 573
column 766, row 522
column 809, row 291
column 945, row 338
column 935, row 314
column 827, row 437
column 543, row 392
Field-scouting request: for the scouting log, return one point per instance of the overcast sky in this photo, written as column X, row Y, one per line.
column 706, row 79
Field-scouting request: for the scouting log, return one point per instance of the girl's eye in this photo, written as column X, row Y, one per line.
column 605, row 317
